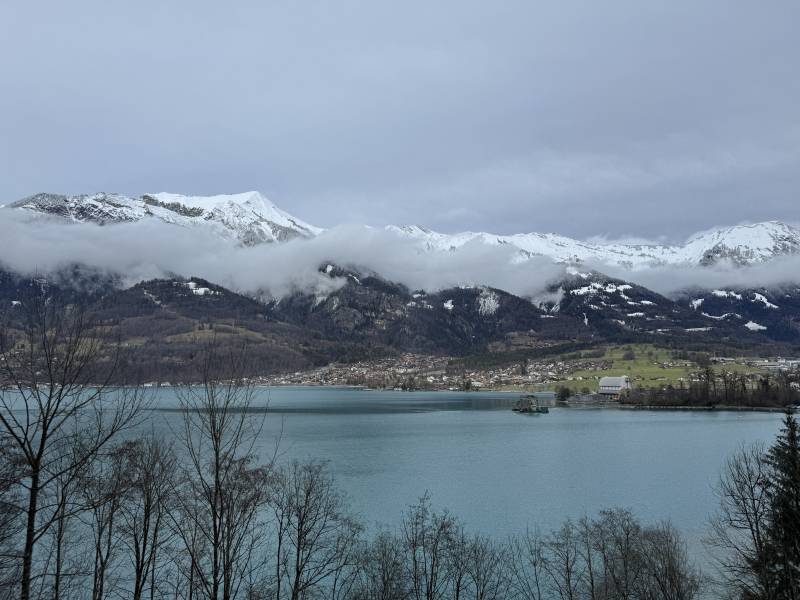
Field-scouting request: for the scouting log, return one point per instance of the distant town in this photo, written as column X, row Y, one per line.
column 644, row 366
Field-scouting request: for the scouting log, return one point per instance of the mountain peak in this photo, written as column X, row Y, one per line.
column 248, row 218
column 743, row 244
column 747, row 231
column 253, row 203
column 252, row 199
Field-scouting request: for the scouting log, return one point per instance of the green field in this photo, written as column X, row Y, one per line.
column 646, row 365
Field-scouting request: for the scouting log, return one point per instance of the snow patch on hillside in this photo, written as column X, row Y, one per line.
column 763, row 300
column 595, row 288
column 726, row 294
column 199, row 290
column 488, row 303
column 722, row 317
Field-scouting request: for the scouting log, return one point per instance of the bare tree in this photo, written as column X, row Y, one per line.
column 11, row 475
column 617, row 537
column 279, row 503
column 63, row 565
column 319, row 539
column 487, row 569
column 58, row 407
column 220, row 520
column 151, row 471
column 739, row 530
column 427, row 535
column 669, row 576
column 527, row 566
column 382, row 572
column 595, row 581
column 346, row 569
column 563, row 564
column 459, row 546
column 103, row 488
column 610, row 557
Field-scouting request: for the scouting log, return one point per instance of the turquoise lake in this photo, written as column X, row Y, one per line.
column 497, row 470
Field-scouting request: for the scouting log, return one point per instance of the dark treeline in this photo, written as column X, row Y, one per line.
column 755, row 534
column 726, row 388
column 90, row 510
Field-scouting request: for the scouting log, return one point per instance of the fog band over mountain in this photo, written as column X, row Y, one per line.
column 150, row 249
column 668, row 279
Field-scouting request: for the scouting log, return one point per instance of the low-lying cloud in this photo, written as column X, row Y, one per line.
column 671, row 279
column 152, row 249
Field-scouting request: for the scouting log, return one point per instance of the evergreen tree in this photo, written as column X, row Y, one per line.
column 563, row 393
column 784, row 494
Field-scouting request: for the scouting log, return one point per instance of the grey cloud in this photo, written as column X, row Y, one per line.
column 585, row 118
column 668, row 280
column 150, row 249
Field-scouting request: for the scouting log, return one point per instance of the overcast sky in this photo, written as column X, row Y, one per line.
column 618, row 118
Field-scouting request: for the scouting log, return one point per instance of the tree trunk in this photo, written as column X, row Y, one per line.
column 59, row 555
column 30, row 536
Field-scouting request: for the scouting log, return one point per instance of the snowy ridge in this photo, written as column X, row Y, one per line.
column 741, row 244
column 248, row 218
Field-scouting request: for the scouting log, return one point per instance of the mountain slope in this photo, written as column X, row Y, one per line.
column 163, row 323
column 369, row 309
column 168, row 320
column 247, row 218
column 617, row 309
column 772, row 312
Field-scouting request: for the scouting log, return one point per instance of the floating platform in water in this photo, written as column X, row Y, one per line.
column 530, row 405
column 541, row 410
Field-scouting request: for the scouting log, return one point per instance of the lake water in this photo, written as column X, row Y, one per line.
column 500, row 471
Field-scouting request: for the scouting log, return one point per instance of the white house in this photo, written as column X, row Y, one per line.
column 614, row 386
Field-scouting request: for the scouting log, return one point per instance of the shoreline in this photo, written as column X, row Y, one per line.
column 610, row 404
column 615, row 405
column 716, row 408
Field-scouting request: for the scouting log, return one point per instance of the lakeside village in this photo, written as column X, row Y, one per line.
column 434, row 373
column 590, row 376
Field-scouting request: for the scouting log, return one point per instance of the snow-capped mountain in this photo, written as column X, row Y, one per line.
column 248, row 218
column 741, row 244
